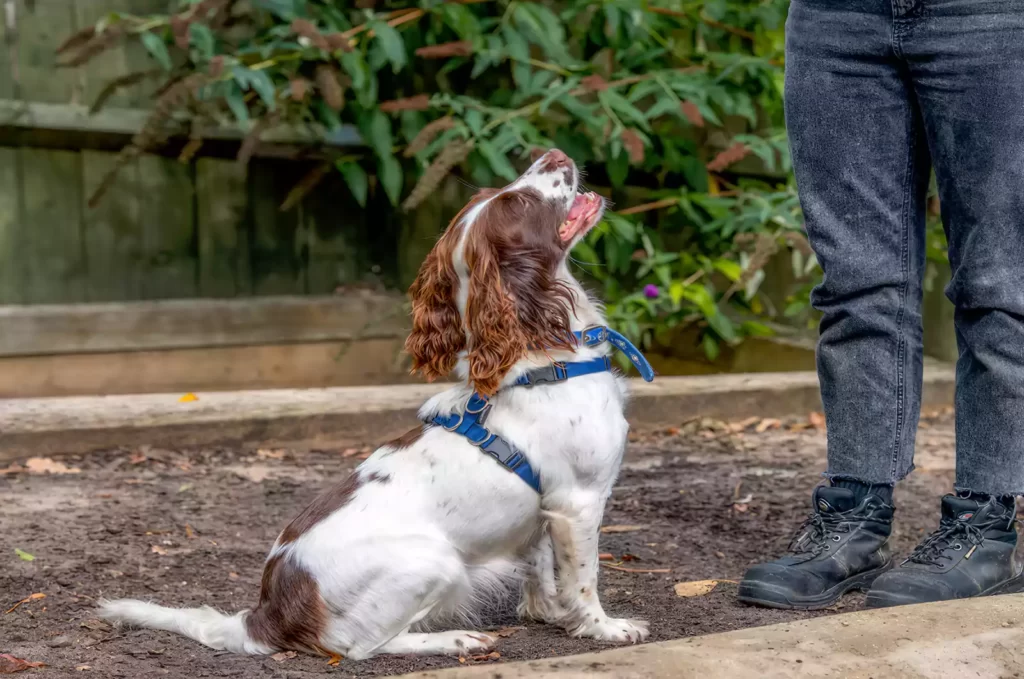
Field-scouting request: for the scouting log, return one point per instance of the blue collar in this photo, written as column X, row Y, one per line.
column 470, row 423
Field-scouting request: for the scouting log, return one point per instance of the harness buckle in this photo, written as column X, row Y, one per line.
column 599, row 338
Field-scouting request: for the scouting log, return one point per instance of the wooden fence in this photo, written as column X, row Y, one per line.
column 207, row 228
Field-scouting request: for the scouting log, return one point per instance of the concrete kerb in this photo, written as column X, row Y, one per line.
column 354, row 415
column 970, row 637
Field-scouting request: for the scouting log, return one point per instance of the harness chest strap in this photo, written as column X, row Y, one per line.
column 470, row 423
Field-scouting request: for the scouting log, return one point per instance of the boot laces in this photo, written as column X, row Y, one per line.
column 816, row 533
column 932, row 552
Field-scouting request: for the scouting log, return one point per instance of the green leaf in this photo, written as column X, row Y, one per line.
column 722, row 325
column 390, row 174
column 497, row 160
column 236, row 102
column 257, row 81
column 23, row 555
column 355, row 177
column 728, row 268
column 201, row 38
column 157, row 49
column 618, row 169
column 376, row 130
column 391, row 41
column 710, row 344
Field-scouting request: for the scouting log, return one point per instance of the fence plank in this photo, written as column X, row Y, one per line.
column 335, row 228
column 10, row 235
column 51, row 260
column 277, row 247
column 42, row 26
column 182, row 324
column 221, row 202
column 167, row 219
column 112, row 232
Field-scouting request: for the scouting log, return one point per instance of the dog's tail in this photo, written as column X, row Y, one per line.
column 206, row 625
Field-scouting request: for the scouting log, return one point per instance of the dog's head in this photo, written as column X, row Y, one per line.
column 496, row 286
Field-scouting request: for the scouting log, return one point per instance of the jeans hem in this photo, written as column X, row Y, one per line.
column 1000, row 494
column 864, row 479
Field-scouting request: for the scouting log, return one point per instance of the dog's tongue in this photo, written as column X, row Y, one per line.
column 578, row 206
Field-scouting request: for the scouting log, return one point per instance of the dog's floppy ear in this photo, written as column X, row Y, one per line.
column 515, row 301
column 437, row 336
column 497, row 339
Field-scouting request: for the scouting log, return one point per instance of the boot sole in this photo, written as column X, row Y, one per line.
column 761, row 594
column 889, row 599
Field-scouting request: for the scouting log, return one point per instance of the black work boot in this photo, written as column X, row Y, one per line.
column 841, row 547
column 971, row 554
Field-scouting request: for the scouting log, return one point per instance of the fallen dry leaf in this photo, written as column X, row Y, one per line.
column 233, row 575
column 95, row 625
column 493, row 655
column 188, row 398
column 44, row 465
column 622, row 529
column 9, row 664
column 350, row 452
column 185, row 487
column 189, row 533
column 82, row 668
column 695, row 588
column 605, row 556
column 744, row 424
column 335, row 660
column 507, row 632
column 157, row 549
column 265, row 454
column 766, row 424
column 817, row 420
column 137, row 458
column 284, row 655
column 630, row 557
column 31, row 597
column 13, row 469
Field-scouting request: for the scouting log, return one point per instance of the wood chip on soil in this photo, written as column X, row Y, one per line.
column 622, row 529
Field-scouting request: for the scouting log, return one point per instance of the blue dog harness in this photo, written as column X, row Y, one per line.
column 470, row 422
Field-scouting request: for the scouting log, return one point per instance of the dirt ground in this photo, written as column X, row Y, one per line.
column 192, row 527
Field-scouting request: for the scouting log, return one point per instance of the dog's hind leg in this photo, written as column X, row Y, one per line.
column 403, row 591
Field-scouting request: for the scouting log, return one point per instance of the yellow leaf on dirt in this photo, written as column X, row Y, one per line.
column 622, row 529
column 189, row 533
column 188, row 398
column 284, row 655
column 695, row 588
column 82, row 668
column 766, row 424
column 265, row 454
column 335, row 660
column 157, row 549
column 44, row 465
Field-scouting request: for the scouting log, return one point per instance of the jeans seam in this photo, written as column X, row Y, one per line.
column 901, row 391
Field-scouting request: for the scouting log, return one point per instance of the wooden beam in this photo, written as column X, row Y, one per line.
column 186, row 324
column 70, row 126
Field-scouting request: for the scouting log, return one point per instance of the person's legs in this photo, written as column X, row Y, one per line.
column 862, row 169
column 965, row 60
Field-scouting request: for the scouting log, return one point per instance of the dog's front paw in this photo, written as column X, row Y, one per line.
column 614, row 629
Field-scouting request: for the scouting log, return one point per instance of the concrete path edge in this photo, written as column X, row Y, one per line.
column 355, row 415
column 969, row 637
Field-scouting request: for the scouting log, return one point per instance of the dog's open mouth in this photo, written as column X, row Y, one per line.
column 585, row 212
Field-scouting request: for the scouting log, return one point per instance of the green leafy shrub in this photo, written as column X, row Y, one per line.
column 673, row 108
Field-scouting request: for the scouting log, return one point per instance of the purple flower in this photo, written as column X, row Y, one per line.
column 651, row 291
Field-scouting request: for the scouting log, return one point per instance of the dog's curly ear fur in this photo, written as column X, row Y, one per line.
column 437, row 336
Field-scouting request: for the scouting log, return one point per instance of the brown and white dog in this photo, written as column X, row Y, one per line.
column 428, row 528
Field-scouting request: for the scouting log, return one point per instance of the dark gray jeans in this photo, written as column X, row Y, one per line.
column 877, row 92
